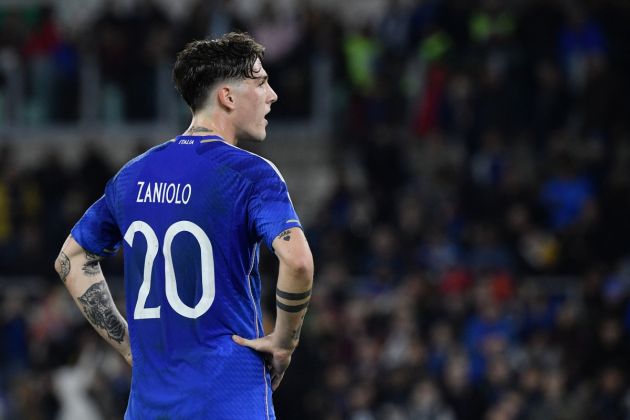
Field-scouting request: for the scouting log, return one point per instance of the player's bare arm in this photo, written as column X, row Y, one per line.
column 293, row 294
column 81, row 273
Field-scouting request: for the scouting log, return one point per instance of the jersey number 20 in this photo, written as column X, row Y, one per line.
column 207, row 269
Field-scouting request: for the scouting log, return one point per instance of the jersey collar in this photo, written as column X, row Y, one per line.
column 201, row 139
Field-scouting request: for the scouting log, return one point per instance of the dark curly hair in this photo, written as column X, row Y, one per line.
column 203, row 63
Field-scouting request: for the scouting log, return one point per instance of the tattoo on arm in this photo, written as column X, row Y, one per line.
column 64, row 263
column 292, row 296
column 92, row 266
column 101, row 312
column 291, row 308
column 286, row 235
column 298, row 331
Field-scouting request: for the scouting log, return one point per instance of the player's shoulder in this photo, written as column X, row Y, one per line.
column 250, row 165
column 141, row 158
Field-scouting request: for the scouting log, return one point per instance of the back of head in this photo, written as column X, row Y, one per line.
column 202, row 64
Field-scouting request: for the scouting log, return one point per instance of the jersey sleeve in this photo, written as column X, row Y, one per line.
column 270, row 208
column 97, row 231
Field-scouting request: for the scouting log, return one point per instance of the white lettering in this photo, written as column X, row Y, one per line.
column 140, row 184
column 186, row 198
column 170, row 197
column 162, row 192
column 157, row 190
column 177, row 197
column 147, row 194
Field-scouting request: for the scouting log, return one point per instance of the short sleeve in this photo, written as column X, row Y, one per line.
column 97, row 231
column 270, row 208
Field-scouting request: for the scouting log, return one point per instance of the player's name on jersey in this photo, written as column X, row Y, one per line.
column 163, row 192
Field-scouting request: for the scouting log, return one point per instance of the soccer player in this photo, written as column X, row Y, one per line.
column 191, row 214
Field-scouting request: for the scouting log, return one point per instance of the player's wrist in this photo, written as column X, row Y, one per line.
column 287, row 343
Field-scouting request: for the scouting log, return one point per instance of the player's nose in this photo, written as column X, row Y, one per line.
column 273, row 97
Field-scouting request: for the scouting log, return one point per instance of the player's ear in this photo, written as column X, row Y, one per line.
column 225, row 95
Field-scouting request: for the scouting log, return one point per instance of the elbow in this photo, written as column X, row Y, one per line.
column 306, row 268
column 302, row 267
column 62, row 266
column 57, row 265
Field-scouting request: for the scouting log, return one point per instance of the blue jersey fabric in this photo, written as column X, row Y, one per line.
column 190, row 215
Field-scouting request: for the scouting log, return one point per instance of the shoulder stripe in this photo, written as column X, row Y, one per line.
column 249, row 285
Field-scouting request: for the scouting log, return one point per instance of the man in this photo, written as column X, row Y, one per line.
column 190, row 215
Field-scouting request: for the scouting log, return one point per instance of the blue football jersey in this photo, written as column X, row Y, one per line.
column 190, row 215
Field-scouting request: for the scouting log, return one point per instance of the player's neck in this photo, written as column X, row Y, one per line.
column 203, row 126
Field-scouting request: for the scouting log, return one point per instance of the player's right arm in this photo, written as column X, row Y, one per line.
column 293, row 294
column 81, row 273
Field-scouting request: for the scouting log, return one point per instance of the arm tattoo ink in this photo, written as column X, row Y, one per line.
column 296, row 333
column 64, row 263
column 293, row 296
column 291, row 308
column 99, row 310
column 286, row 235
column 91, row 266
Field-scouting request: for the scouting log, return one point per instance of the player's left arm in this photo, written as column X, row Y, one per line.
column 80, row 270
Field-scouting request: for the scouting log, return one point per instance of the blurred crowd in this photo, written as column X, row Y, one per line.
column 105, row 61
column 472, row 257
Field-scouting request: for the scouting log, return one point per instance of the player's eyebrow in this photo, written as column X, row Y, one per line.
column 263, row 79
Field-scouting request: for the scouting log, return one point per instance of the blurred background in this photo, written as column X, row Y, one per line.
column 461, row 168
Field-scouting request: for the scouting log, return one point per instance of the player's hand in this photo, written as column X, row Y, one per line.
column 276, row 357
